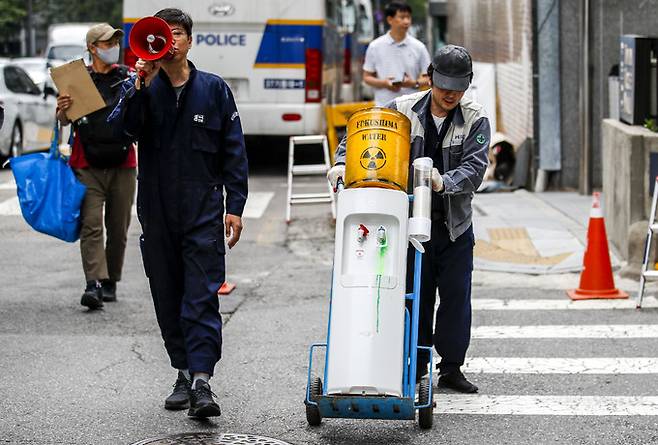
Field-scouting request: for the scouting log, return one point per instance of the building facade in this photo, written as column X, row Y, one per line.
column 552, row 62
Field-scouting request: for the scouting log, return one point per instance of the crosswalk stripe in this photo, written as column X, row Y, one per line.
column 255, row 208
column 257, row 202
column 543, row 365
column 495, row 304
column 536, row 405
column 10, row 207
column 566, row 331
column 9, row 185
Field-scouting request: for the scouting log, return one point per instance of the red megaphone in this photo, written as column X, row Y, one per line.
column 150, row 38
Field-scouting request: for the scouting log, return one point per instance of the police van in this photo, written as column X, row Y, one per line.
column 284, row 60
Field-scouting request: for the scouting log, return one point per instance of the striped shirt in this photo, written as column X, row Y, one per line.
column 387, row 58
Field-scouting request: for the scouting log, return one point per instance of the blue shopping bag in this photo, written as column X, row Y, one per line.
column 48, row 192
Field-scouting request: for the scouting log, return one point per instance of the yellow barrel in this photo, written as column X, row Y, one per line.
column 377, row 149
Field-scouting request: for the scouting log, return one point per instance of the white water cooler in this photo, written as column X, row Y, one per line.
column 366, row 329
column 365, row 344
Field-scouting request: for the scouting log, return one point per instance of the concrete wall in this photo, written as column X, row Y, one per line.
column 499, row 31
column 626, row 180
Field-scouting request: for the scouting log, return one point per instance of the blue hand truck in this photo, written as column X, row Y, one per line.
column 321, row 405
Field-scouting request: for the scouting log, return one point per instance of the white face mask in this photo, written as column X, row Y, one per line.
column 110, row 55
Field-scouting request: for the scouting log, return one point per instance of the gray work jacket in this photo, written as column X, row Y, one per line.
column 465, row 149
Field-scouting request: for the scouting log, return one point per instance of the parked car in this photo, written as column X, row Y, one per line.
column 29, row 112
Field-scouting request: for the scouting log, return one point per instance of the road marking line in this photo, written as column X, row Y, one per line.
column 495, row 304
column 256, row 205
column 10, row 207
column 257, row 202
column 9, row 185
column 530, row 405
column 567, row 331
column 542, row 365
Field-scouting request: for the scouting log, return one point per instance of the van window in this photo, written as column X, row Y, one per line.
column 66, row 52
column 365, row 23
column 330, row 10
column 348, row 15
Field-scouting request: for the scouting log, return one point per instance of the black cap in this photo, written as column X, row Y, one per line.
column 453, row 68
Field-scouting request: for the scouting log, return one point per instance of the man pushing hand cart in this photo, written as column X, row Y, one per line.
column 377, row 350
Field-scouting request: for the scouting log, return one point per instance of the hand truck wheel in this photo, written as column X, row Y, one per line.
column 313, row 416
column 425, row 415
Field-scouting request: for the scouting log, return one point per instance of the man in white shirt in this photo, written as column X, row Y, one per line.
column 396, row 63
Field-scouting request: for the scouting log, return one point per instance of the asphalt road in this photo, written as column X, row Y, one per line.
column 75, row 377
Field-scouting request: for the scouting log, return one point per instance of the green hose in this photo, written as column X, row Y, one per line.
column 380, row 272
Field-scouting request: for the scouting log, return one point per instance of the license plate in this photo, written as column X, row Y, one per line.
column 284, row 84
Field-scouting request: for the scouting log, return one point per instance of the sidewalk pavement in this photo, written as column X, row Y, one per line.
column 535, row 240
column 531, row 233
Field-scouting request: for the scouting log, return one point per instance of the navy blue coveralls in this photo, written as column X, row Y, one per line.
column 188, row 150
column 448, row 266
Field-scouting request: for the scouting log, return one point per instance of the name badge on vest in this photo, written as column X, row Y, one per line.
column 457, row 139
column 199, row 118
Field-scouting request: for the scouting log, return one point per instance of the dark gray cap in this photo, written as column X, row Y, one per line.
column 453, row 68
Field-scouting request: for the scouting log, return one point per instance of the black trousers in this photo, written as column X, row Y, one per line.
column 184, row 262
column 185, row 273
column 448, row 267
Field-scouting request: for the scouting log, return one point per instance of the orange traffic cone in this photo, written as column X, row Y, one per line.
column 596, row 280
column 226, row 288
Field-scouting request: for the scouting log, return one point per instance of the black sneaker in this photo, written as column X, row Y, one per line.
column 456, row 380
column 202, row 403
column 180, row 397
column 93, row 297
column 109, row 290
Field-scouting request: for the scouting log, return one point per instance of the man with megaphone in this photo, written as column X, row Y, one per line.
column 191, row 148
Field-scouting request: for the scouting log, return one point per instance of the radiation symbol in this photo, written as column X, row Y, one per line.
column 373, row 158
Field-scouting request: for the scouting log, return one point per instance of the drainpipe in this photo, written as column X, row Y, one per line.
column 537, row 176
column 584, row 104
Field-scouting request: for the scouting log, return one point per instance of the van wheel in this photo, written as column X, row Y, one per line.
column 16, row 147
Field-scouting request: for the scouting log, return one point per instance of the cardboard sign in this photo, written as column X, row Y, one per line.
column 73, row 79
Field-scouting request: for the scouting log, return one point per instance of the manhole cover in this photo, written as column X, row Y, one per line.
column 211, row 439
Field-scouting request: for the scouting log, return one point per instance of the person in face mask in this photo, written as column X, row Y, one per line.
column 105, row 162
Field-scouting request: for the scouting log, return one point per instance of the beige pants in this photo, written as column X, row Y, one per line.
column 114, row 190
